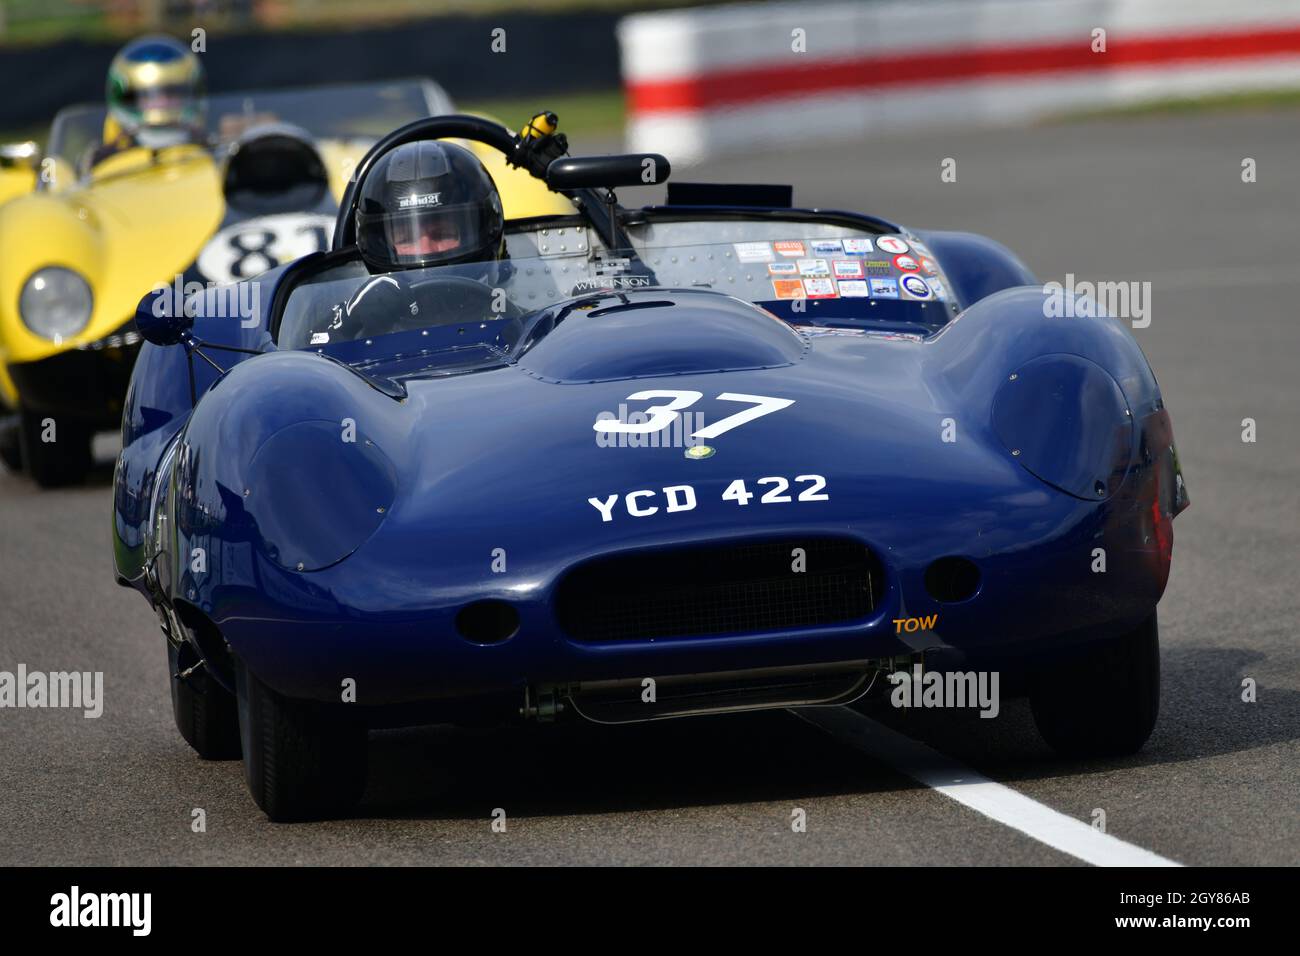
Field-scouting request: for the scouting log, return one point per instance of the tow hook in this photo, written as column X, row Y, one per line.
column 543, row 703
column 184, row 675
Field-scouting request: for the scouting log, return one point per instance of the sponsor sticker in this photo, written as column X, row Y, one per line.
column 878, row 267
column 782, row 269
column 854, row 288
column 789, row 247
column 827, row 247
column 906, row 264
column 891, row 244
column 921, row 249
column 884, row 288
column 788, row 288
column 856, row 247
column 320, row 338
column 814, row 267
column 610, row 282
column 754, row 251
column 929, row 266
column 915, row 287
column 417, row 201
column 819, row 289
column 606, row 265
column 847, row 269
column 936, row 286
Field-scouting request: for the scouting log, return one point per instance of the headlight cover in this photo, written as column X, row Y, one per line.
column 314, row 498
column 55, row 303
column 1067, row 422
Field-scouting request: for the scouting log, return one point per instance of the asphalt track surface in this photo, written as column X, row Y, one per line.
column 1151, row 199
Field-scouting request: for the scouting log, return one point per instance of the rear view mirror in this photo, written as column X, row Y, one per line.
column 161, row 321
column 588, row 172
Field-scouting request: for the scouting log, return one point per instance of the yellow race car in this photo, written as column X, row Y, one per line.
column 84, row 235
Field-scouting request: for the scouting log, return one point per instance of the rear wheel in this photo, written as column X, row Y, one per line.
column 205, row 711
column 302, row 760
column 64, row 459
column 1103, row 703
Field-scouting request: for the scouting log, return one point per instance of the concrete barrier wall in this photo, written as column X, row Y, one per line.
column 724, row 79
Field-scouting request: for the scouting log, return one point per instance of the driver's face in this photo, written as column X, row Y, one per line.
column 427, row 236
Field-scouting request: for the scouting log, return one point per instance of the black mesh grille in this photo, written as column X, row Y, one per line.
column 716, row 589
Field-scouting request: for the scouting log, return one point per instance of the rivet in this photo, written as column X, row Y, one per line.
column 300, row 565
column 379, row 510
column 1015, row 453
column 1014, row 376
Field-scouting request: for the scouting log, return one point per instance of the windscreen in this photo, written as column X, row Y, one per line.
column 345, row 111
column 806, row 273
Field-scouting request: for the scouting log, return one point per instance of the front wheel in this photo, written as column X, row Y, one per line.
column 55, row 452
column 204, row 711
column 302, row 760
column 1103, row 703
column 11, row 449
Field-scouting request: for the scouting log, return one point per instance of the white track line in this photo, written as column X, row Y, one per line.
column 952, row 779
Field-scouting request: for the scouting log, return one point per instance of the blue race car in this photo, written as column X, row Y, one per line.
column 717, row 455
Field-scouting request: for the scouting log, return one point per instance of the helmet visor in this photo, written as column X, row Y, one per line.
column 422, row 236
column 158, row 105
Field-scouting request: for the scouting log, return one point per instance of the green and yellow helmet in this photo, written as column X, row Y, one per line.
column 155, row 91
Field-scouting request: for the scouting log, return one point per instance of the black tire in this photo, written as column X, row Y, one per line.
column 65, row 461
column 1104, row 702
column 302, row 760
column 11, row 449
column 206, row 713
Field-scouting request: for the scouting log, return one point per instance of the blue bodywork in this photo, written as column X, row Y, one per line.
column 1019, row 443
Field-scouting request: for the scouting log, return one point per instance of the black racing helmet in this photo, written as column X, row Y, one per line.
column 428, row 203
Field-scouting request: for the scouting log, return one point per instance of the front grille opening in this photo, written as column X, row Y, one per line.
column 712, row 590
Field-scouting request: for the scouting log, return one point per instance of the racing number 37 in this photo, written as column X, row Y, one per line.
column 661, row 416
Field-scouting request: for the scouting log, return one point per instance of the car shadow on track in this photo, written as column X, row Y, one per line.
column 577, row 768
column 1201, row 715
column 454, row 773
